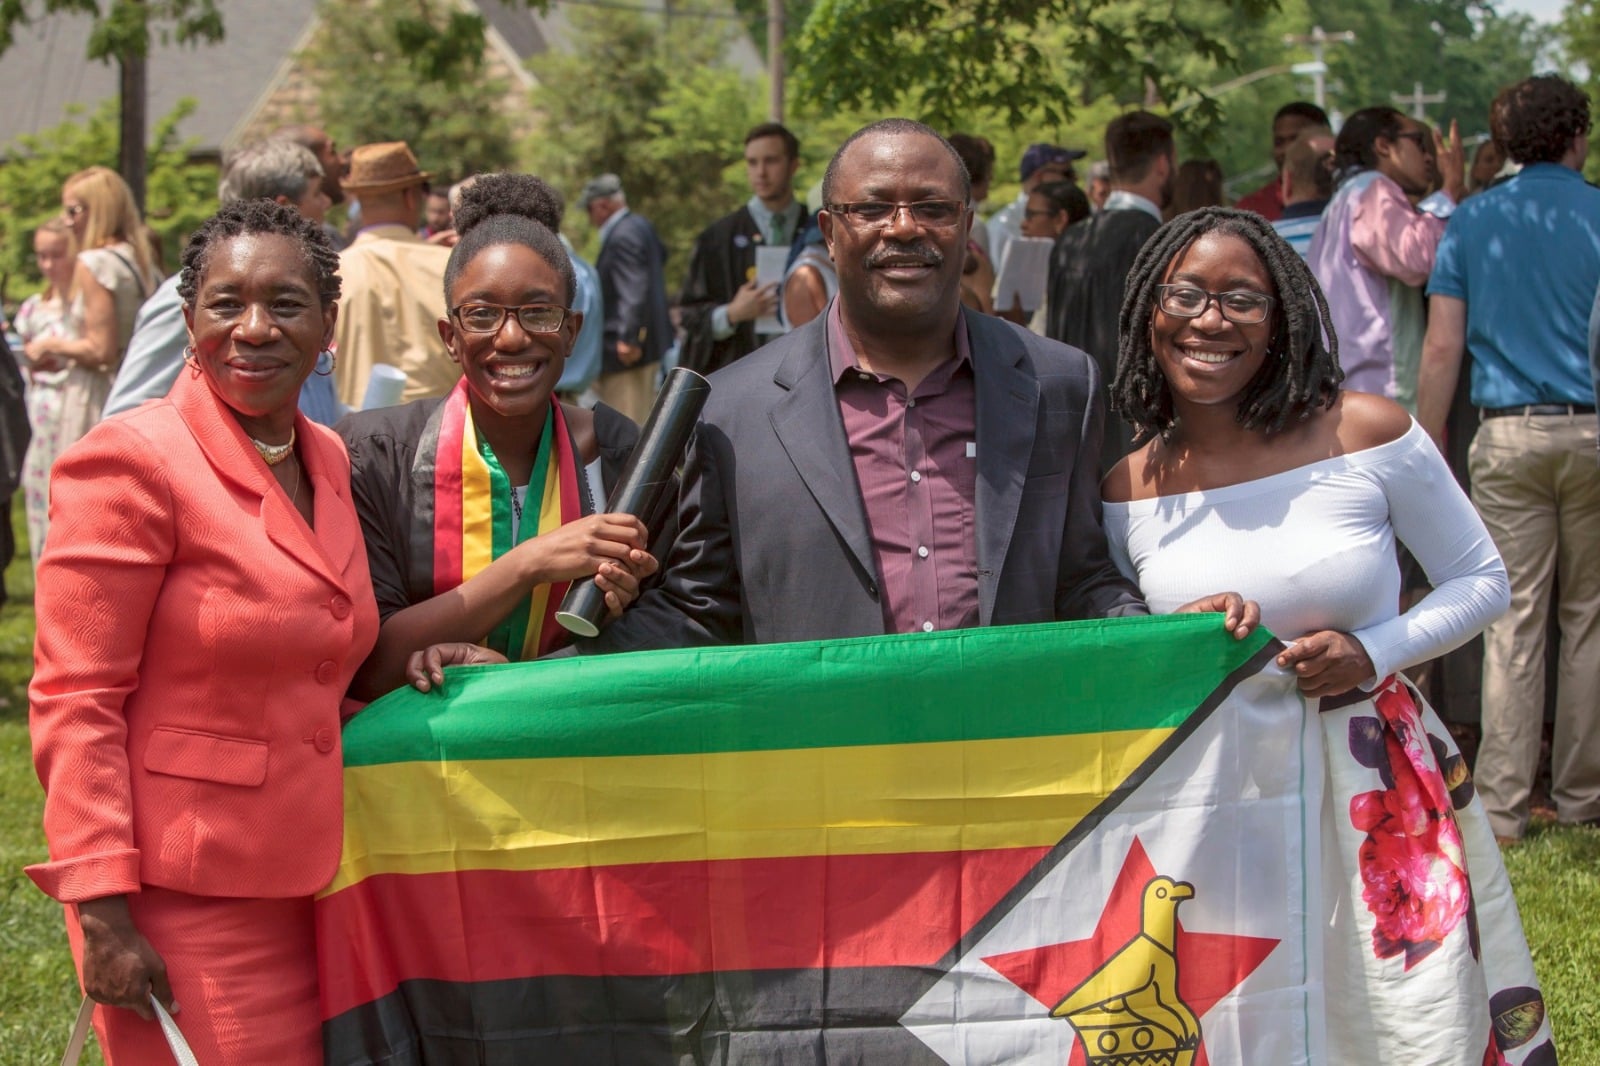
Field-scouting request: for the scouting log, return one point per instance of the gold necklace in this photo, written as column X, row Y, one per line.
column 273, row 454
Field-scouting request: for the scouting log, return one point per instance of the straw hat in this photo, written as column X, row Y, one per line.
column 381, row 168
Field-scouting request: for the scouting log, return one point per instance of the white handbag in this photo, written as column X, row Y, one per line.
column 169, row 1029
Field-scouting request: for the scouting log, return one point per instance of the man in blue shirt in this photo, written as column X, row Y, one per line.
column 1513, row 283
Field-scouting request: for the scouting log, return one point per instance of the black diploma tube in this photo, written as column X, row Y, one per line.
column 645, row 476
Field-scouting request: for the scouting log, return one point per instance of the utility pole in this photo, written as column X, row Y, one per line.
column 775, row 60
column 1317, row 40
column 1417, row 100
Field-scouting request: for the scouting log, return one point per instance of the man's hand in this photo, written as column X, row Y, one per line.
column 1239, row 615
column 628, row 354
column 1327, row 663
column 752, row 301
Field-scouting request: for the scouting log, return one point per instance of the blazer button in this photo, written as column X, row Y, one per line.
column 340, row 606
column 322, row 739
column 327, row 672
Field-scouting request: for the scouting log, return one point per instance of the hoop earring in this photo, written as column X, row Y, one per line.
column 333, row 362
column 192, row 359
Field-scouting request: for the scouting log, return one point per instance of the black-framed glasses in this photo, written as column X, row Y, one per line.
column 1416, row 137
column 1240, row 306
column 872, row 214
column 488, row 318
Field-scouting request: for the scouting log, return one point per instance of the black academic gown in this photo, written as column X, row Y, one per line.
column 724, row 259
column 1088, row 272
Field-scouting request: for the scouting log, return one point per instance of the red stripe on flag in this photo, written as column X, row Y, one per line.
column 447, row 530
column 656, row 919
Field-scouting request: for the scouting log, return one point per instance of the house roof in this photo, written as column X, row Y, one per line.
column 229, row 80
column 47, row 60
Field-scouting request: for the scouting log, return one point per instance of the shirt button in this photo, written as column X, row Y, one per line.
column 322, row 740
column 922, row 552
column 927, row 627
column 863, row 375
column 911, row 403
column 340, row 606
column 327, row 672
column 916, row 475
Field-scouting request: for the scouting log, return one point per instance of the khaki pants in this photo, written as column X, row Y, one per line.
column 630, row 391
column 1536, row 482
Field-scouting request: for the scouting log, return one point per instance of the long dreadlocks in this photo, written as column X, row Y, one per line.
column 1300, row 374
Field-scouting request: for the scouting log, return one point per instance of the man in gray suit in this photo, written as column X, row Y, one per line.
column 633, row 294
column 897, row 464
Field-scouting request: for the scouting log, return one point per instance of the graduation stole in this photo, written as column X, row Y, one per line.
column 472, row 513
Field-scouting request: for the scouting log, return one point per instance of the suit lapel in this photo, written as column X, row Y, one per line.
column 1008, row 415
column 810, row 429
column 231, row 455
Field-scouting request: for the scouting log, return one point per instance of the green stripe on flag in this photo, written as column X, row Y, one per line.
column 1111, row 674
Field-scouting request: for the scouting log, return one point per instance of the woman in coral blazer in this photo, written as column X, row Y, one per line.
column 202, row 604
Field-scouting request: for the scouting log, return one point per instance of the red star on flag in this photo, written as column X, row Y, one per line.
column 1210, row 965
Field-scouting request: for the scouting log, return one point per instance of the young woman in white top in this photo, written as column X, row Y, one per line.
column 114, row 274
column 1257, row 473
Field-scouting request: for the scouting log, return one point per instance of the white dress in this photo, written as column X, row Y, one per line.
column 1424, row 958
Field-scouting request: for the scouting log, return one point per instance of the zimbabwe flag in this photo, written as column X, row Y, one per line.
column 934, row 847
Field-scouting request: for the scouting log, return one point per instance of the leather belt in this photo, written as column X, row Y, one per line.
column 1568, row 409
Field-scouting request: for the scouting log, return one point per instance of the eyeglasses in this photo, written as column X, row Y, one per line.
column 1416, row 137
column 1240, row 306
column 488, row 318
column 1029, row 212
column 74, row 210
column 875, row 214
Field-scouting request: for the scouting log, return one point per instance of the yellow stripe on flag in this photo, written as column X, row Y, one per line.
column 545, row 814
column 477, row 506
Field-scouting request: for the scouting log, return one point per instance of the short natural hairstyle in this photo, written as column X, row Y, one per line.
column 1355, row 147
column 892, row 127
column 269, row 169
column 509, row 209
column 1302, row 109
column 1301, row 371
column 791, row 143
column 977, row 155
column 1134, row 142
column 264, row 217
column 113, row 215
column 1065, row 196
column 1537, row 119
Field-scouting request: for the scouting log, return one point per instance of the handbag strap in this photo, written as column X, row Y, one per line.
column 169, row 1029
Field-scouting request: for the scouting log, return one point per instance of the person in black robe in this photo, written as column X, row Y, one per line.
column 1090, row 263
column 722, row 268
column 14, row 435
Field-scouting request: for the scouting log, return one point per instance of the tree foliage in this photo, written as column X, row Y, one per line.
column 1023, row 60
column 181, row 193
column 413, row 71
column 649, row 99
column 1579, row 34
column 121, row 27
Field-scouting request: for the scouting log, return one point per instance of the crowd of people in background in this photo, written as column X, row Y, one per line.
column 1117, row 394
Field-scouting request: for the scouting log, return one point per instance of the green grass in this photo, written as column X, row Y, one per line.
column 1556, row 874
column 38, row 992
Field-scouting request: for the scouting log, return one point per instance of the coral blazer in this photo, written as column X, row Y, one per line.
column 195, row 639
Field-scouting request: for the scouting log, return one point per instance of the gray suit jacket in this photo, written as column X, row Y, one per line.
column 774, row 543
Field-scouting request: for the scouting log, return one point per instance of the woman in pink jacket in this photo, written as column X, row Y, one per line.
column 202, row 604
